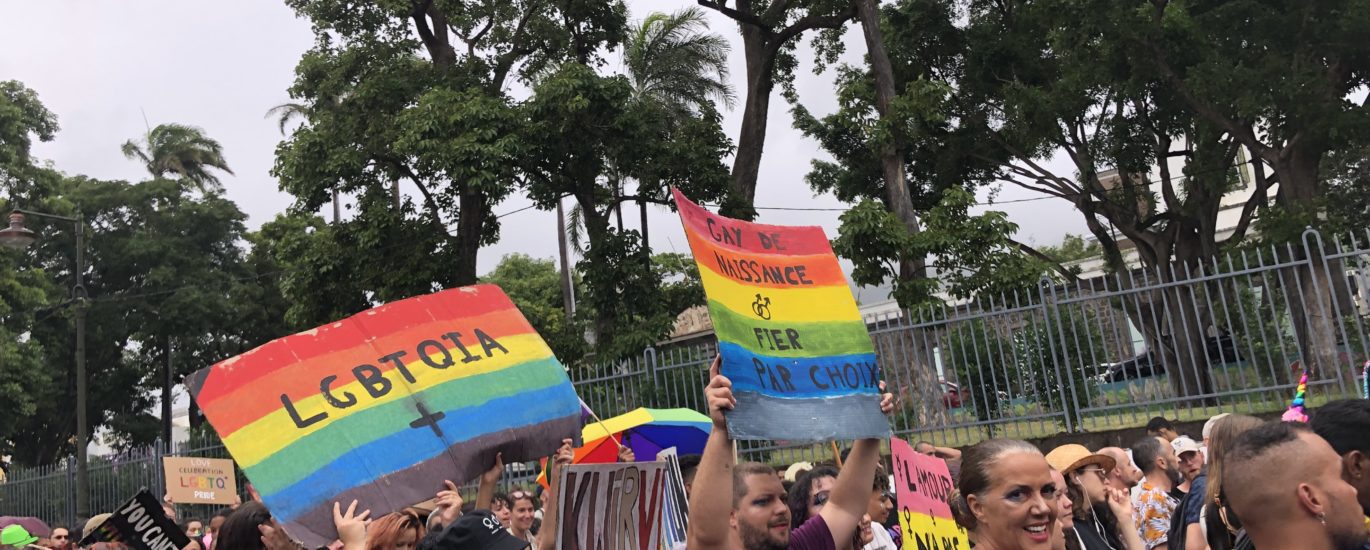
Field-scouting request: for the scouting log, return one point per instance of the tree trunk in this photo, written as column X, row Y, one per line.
column 751, row 139
column 167, row 373
column 891, row 159
column 470, row 226
column 568, row 298
column 646, row 242
column 1316, row 325
column 337, row 206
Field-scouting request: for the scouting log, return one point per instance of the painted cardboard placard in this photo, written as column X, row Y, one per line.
column 139, row 523
column 383, row 406
column 675, row 509
column 922, row 485
column 792, row 339
column 195, row 480
column 611, row 506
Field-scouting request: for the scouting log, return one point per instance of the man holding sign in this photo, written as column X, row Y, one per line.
column 793, row 343
column 758, row 517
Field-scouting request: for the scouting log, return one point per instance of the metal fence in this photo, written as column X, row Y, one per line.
column 1099, row 353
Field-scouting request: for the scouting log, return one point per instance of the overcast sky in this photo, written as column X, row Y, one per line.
column 102, row 66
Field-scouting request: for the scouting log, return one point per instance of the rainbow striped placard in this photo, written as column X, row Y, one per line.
column 792, row 340
column 385, row 405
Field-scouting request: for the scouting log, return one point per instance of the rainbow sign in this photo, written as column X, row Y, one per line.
column 792, row 341
column 385, row 405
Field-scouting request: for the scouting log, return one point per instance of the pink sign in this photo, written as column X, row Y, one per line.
column 922, row 485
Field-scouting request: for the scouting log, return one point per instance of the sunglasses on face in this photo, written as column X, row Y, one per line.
column 820, row 499
column 59, row 537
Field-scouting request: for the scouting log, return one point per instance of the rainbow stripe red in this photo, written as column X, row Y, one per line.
column 386, row 404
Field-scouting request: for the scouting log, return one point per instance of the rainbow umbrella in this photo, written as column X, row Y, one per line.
column 645, row 431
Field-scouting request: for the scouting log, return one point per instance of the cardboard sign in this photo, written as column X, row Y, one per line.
column 922, row 485
column 139, row 523
column 792, row 340
column 611, row 506
column 192, row 480
column 675, row 508
column 383, row 406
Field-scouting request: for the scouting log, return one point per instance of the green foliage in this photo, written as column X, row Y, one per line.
column 671, row 60
column 975, row 353
column 588, row 137
column 182, row 151
column 1072, row 248
column 1054, row 356
column 974, row 253
column 23, row 118
column 535, row 287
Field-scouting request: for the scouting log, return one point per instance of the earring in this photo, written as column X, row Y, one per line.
column 1322, row 518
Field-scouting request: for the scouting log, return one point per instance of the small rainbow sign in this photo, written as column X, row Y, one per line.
column 792, row 340
column 385, row 405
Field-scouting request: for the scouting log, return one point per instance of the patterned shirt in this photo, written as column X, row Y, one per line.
column 1151, row 511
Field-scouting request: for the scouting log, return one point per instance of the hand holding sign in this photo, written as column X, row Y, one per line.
column 351, row 526
column 719, row 394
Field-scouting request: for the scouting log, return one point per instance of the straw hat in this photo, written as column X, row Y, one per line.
column 1071, row 457
column 93, row 524
column 795, row 470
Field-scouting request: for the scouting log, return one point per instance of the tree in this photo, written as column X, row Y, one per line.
column 674, row 64
column 770, row 29
column 587, row 137
column 416, row 92
column 182, row 151
column 670, row 60
column 534, row 286
column 990, row 100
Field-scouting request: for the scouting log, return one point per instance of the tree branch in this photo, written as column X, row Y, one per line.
column 1053, row 264
column 740, row 17
column 808, row 23
column 1259, row 198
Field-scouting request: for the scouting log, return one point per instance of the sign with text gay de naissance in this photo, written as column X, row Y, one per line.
column 792, row 340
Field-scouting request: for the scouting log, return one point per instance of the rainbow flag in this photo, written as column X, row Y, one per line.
column 385, row 405
column 792, row 340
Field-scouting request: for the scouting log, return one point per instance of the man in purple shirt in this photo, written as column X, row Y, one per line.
column 758, row 518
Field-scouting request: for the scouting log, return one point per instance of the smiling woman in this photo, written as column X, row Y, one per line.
column 1006, row 496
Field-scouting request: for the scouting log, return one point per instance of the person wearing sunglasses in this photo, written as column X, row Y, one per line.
column 61, row 538
column 1102, row 514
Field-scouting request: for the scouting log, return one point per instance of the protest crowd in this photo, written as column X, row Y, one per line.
column 1246, row 483
column 322, row 454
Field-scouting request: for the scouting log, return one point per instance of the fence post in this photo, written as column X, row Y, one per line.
column 69, row 510
column 649, row 360
column 1042, row 285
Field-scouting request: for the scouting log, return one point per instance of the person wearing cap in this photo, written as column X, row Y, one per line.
column 478, row 530
column 1208, row 429
column 16, row 536
column 1103, row 514
column 1184, row 521
column 1187, row 470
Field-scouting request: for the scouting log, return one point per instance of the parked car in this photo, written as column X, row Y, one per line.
column 1217, row 350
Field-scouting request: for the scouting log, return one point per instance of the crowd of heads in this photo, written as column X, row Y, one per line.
column 1244, row 483
column 1252, row 483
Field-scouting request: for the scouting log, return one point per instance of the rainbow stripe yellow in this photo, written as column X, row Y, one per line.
column 792, row 339
column 383, row 406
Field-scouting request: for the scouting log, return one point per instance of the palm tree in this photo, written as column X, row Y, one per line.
column 672, row 60
column 182, row 151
